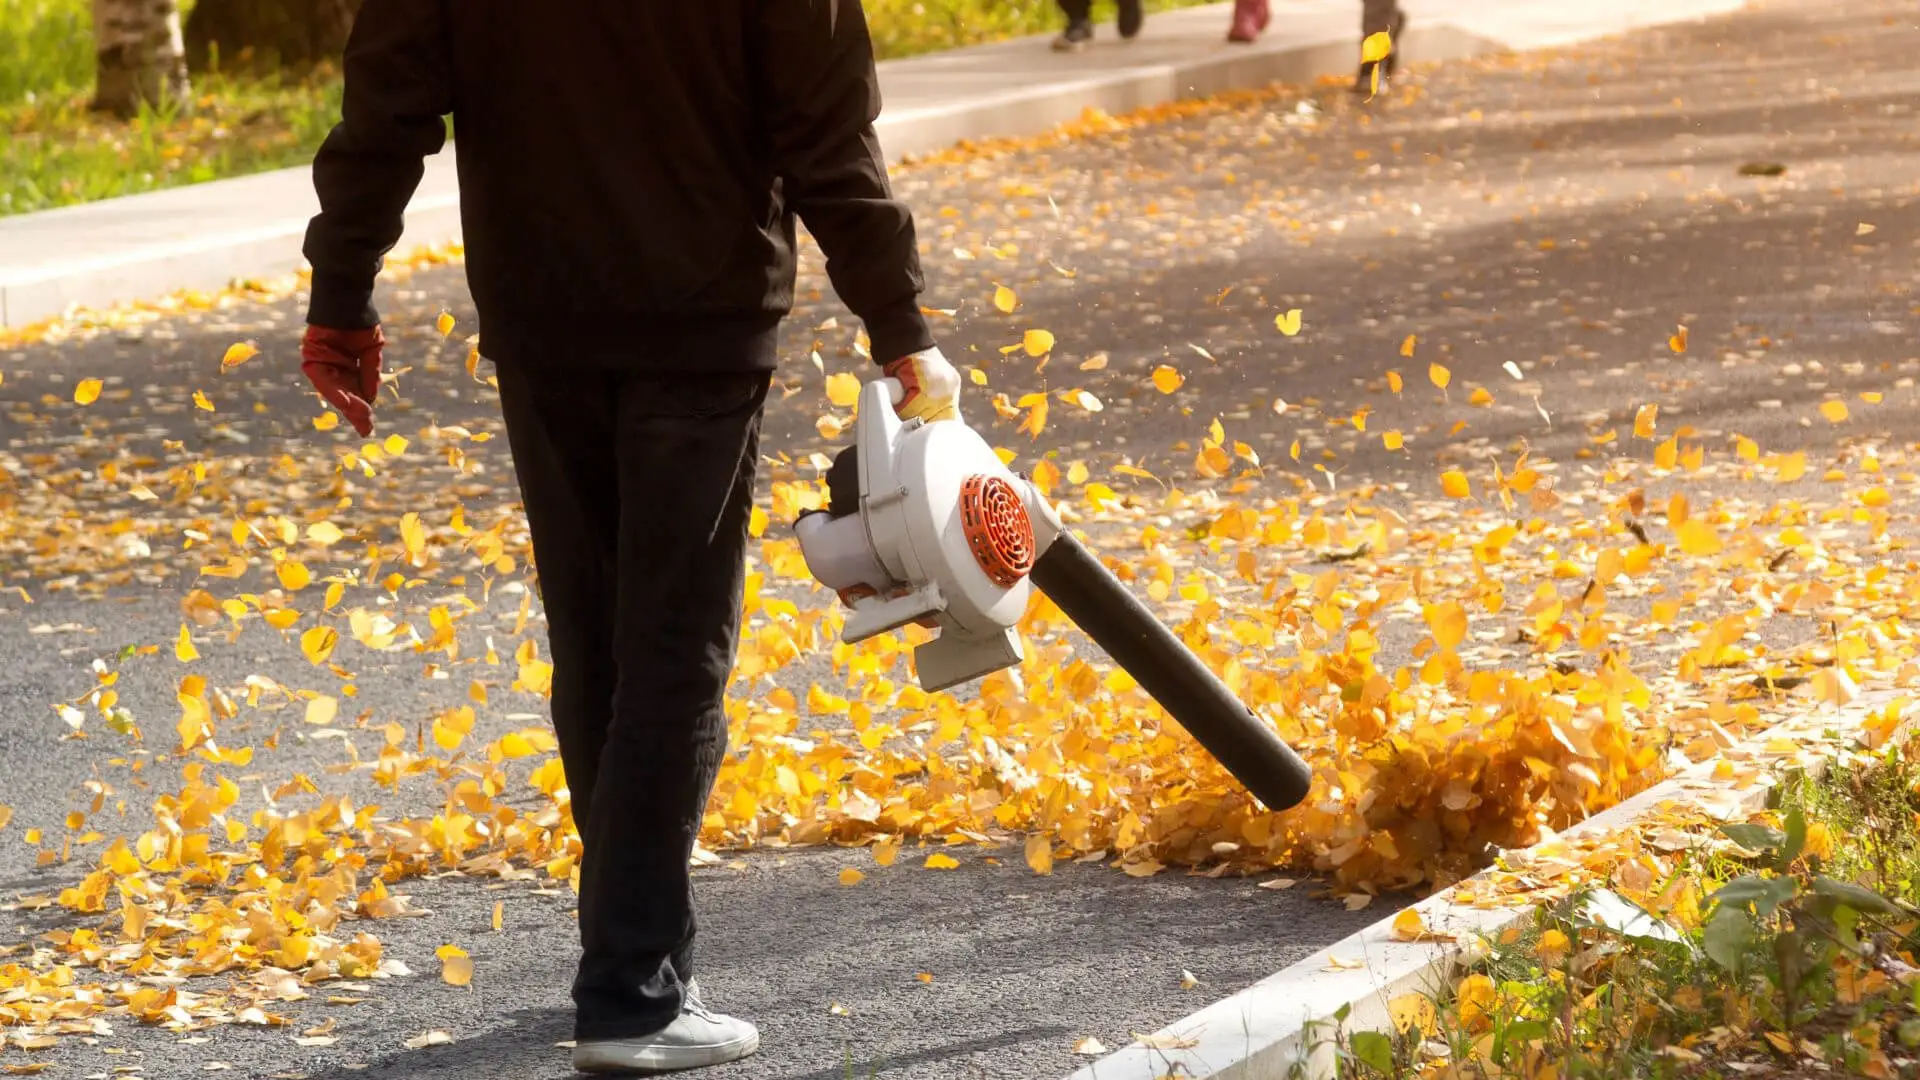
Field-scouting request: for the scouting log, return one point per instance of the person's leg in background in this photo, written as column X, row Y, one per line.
column 1249, row 19
column 1079, row 32
column 648, row 480
column 1380, row 17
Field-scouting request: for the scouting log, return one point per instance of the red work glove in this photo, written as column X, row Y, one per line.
column 344, row 365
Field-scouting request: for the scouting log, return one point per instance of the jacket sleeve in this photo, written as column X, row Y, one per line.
column 819, row 95
column 397, row 92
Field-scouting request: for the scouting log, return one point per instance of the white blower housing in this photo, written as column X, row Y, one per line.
column 941, row 533
column 945, row 533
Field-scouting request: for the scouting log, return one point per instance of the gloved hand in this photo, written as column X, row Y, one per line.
column 344, row 365
column 929, row 387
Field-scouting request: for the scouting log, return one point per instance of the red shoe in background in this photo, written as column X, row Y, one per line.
column 1250, row 17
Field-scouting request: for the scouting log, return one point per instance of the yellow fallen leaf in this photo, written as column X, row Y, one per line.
column 1408, row 925
column 1553, row 947
column 6, row 815
column 886, row 851
column 321, row 710
column 1834, row 411
column 499, row 915
column 1288, row 322
column 444, row 324
column 1448, row 621
column 456, row 967
column 977, row 376
column 318, row 642
column 326, row 421
column 1394, row 382
column 293, row 576
column 202, row 402
column 87, row 392
column 1440, row 374
column 1004, row 299
column 1376, row 47
column 1167, row 380
column 1677, row 341
column 183, row 649
column 1037, row 342
column 850, row 876
column 1645, row 419
column 1454, row 483
column 238, row 353
column 843, row 389
column 1698, row 538
column 1414, row 1012
column 941, row 861
column 1392, row 440
column 1040, row 853
column 435, row 1037
column 1781, row 1042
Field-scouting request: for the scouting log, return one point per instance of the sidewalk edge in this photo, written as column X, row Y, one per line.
column 1279, row 1028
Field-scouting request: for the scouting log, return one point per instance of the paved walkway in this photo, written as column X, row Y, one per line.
column 208, row 235
column 1511, row 213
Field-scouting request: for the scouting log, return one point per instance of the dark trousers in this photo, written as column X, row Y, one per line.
column 1082, row 10
column 637, row 490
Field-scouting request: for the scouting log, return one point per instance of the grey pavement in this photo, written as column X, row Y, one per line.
column 249, row 228
column 1561, row 211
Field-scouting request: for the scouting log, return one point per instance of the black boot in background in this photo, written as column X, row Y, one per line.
column 1396, row 24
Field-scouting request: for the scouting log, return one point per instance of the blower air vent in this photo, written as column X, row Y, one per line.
column 997, row 528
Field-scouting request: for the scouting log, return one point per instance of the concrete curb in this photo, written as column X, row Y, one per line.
column 251, row 227
column 1282, row 1026
column 208, row 236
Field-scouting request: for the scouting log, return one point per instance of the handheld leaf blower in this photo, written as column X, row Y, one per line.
column 925, row 524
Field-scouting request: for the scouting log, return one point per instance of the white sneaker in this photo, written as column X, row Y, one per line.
column 697, row 1038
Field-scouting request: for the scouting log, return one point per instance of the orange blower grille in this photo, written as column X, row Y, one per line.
column 997, row 528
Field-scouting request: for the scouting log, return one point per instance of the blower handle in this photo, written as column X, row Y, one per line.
column 1074, row 579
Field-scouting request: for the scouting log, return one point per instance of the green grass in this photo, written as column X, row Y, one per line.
column 1796, row 946
column 44, row 49
column 59, row 153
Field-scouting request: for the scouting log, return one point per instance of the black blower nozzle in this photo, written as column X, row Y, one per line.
column 1102, row 607
column 1166, row 669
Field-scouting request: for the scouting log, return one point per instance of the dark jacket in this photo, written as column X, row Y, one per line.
column 629, row 173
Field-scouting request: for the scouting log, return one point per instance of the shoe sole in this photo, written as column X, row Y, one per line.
column 662, row 1059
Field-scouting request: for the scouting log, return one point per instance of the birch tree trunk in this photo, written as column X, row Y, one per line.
column 139, row 55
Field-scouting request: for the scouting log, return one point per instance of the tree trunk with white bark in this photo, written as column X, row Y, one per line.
column 140, row 56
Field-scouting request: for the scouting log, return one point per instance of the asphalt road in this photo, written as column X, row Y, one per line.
column 1563, row 212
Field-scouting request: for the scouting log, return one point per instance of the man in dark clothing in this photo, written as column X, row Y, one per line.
column 629, row 178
